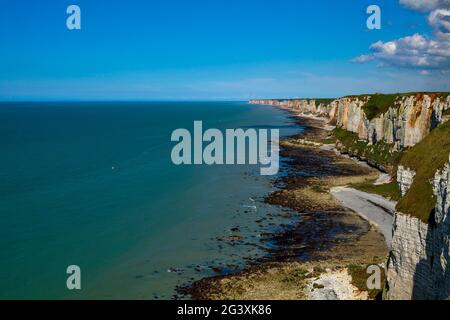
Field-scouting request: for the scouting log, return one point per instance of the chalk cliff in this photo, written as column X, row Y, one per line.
column 419, row 261
column 405, row 177
column 405, row 122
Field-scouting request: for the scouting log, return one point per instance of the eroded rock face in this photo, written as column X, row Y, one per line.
column 418, row 266
column 441, row 190
column 441, row 262
column 409, row 248
column 351, row 116
column 403, row 125
column 405, row 178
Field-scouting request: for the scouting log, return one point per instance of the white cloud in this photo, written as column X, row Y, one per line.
column 417, row 51
column 411, row 51
column 425, row 5
column 364, row 58
column 440, row 21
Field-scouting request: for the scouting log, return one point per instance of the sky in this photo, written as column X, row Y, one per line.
column 221, row 49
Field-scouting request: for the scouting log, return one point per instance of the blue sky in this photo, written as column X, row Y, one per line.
column 211, row 50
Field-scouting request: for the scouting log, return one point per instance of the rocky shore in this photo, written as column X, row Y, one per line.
column 325, row 251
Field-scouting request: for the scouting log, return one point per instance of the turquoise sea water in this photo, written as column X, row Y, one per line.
column 92, row 184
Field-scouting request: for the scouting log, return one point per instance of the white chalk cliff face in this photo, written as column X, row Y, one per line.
column 405, row 178
column 403, row 125
column 419, row 261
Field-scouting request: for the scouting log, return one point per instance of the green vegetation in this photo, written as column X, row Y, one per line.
column 324, row 101
column 388, row 190
column 318, row 286
column 297, row 275
column 378, row 104
column 444, row 94
column 446, row 112
column 317, row 271
column 331, row 139
column 381, row 153
column 359, row 279
column 426, row 157
column 320, row 188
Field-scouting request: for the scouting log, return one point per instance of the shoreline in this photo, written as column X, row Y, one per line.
column 316, row 256
column 374, row 208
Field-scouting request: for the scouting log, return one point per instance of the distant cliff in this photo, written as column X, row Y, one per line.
column 316, row 107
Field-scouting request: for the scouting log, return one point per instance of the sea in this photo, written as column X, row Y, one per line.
column 92, row 184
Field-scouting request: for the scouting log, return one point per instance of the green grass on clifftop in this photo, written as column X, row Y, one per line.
column 428, row 156
column 323, row 101
column 378, row 104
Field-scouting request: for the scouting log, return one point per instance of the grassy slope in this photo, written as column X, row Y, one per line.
column 388, row 190
column 425, row 158
column 380, row 153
